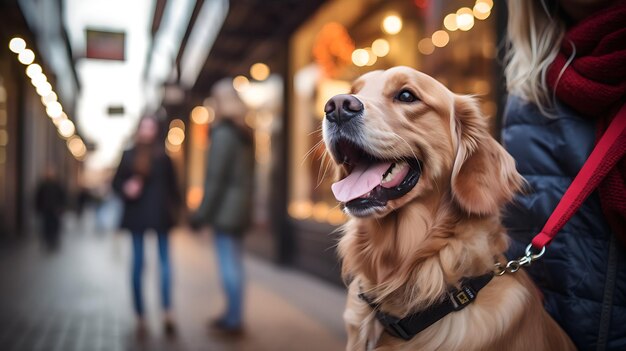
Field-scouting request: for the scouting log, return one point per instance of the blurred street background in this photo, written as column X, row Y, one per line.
column 79, row 299
column 76, row 78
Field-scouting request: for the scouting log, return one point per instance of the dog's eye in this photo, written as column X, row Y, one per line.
column 406, row 96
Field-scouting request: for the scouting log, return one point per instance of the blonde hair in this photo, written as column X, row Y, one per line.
column 534, row 37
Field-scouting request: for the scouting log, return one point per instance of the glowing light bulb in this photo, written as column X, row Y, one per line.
column 450, row 22
column 240, row 83
column 200, row 115
column 360, row 57
column 176, row 136
column 482, row 9
column 392, row 24
column 66, row 128
column 465, row 18
column 440, row 38
column 38, row 80
column 26, row 57
column 17, row 45
column 259, row 71
column 33, row 70
column 380, row 47
column 54, row 109
column 177, row 123
column 44, row 89
column 47, row 99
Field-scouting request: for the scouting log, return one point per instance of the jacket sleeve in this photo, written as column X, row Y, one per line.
column 217, row 172
column 121, row 175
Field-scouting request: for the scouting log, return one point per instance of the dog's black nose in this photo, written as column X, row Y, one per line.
column 341, row 108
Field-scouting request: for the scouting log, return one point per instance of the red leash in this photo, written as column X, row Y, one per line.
column 609, row 150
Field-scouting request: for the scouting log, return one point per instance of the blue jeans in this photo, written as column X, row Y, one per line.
column 137, row 271
column 230, row 262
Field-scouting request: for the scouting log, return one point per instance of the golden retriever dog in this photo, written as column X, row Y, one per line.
column 423, row 182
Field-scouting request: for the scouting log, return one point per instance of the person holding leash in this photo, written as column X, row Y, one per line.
column 566, row 78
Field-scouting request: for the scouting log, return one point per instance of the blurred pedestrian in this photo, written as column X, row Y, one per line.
column 83, row 200
column 146, row 182
column 227, row 202
column 50, row 198
column 566, row 75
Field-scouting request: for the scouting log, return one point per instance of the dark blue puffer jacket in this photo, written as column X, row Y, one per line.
column 583, row 273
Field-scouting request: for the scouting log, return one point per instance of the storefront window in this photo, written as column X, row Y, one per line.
column 455, row 44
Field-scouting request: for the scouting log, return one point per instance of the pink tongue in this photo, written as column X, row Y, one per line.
column 361, row 181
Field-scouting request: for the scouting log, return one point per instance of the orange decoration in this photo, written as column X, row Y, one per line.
column 333, row 48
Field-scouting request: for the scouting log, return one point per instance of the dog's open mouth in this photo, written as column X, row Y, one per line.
column 371, row 181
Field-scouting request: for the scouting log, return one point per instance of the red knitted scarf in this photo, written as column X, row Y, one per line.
column 594, row 84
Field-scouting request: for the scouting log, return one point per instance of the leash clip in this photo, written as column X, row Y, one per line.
column 514, row 265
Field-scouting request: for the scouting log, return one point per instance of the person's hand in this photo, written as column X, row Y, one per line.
column 132, row 187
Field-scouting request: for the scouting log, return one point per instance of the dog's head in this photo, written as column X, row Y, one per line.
column 400, row 135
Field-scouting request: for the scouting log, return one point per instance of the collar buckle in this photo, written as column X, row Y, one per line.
column 462, row 297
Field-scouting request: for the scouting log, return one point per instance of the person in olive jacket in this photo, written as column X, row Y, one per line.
column 227, row 202
column 146, row 182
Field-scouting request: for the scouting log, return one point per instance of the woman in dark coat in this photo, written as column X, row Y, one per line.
column 228, row 191
column 566, row 75
column 146, row 181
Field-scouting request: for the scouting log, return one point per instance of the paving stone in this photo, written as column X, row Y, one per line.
column 79, row 299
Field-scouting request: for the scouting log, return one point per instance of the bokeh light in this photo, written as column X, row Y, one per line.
column 450, row 22
column 380, row 47
column 54, row 110
column 425, row 46
column 66, row 128
column 300, row 209
column 17, row 45
column 176, row 136
column 482, row 9
column 320, row 211
column 487, row 3
column 241, row 83
column 177, row 123
column 440, row 38
column 200, row 115
column 392, row 24
column 59, row 119
column 336, row 216
column 360, row 57
column 38, row 80
column 465, row 18
column 44, row 89
column 259, row 71
column 76, row 146
column 26, row 57
column 47, row 99
column 33, row 70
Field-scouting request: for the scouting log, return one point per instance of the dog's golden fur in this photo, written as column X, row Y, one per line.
column 410, row 253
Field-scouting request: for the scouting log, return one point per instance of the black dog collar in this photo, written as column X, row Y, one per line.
column 409, row 326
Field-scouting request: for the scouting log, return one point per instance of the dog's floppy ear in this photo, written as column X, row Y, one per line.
column 483, row 176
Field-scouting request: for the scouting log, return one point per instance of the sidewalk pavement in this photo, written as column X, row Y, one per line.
column 79, row 299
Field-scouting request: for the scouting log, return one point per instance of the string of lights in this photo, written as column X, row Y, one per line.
column 462, row 19
column 49, row 99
